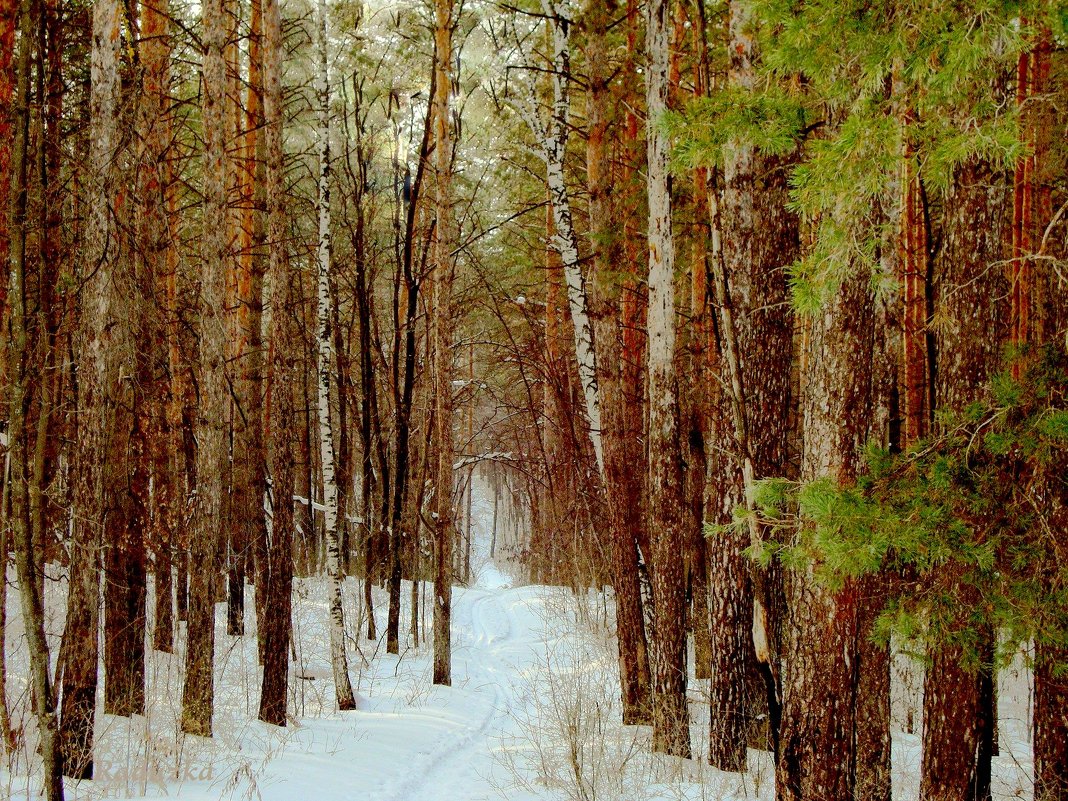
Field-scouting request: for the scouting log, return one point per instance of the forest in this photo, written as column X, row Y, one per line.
column 534, row 399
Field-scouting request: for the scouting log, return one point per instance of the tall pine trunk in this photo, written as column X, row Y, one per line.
column 444, row 268
column 277, row 574
column 671, row 718
column 820, row 658
column 758, row 239
column 958, row 733
column 98, row 369
column 212, row 454
column 618, row 469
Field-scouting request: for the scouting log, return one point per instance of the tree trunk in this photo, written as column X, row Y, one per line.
column 279, row 413
column 249, row 460
column 444, row 268
column 1051, row 724
column 30, row 592
column 99, row 366
column 338, row 659
column 958, row 703
column 212, row 452
column 671, row 718
column 820, row 686
column 618, row 468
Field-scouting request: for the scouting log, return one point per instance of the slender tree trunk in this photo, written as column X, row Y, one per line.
column 444, row 269
column 212, row 452
column 368, row 403
column 671, row 717
column 279, row 412
column 30, row 593
column 338, row 659
column 618, row 468
column 157, row 196
column 554, row 144
column 250, row 468
column 7, row 731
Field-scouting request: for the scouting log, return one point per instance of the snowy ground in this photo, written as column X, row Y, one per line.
column 532, row 714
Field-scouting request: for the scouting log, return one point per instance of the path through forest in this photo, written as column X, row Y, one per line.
column 407, row 741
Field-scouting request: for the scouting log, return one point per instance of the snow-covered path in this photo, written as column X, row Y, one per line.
column 495, row 644
column 410, row 740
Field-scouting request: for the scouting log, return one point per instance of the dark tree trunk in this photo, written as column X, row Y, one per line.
column 623, row 517
column 822, row 703
column 1051, row 724
column 759, row 241
column 958, row 702
column 124, row 606
column 277, row 572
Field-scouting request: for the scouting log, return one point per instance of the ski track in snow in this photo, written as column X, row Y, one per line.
column 454, row 770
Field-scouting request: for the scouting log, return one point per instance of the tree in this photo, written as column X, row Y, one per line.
column 444, row 270
column 958, row 731
column 212, row 453
column 31, row 594
column 276, row 573
column 621, row 472
column 324, row 339
column 671, row 717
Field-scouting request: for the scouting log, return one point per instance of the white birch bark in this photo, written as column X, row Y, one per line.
column 553, row 141
column 338, row 660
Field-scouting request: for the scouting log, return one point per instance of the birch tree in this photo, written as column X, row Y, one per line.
column 325, row 368
column 552, row 145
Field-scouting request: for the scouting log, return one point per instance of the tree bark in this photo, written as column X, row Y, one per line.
column 99, row 365
column 338, row 659
column 444, row 268
column 249, row 468
column 618, row 468
column 671, row 718
column 30, row 590
column 822, row 705
column 212, row 451
column 279, row 414
column 759, row 239
column 958, row 703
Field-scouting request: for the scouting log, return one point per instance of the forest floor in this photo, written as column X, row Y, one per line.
column 532, row 714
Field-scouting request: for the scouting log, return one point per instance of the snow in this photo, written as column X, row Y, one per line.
column 532, row 715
